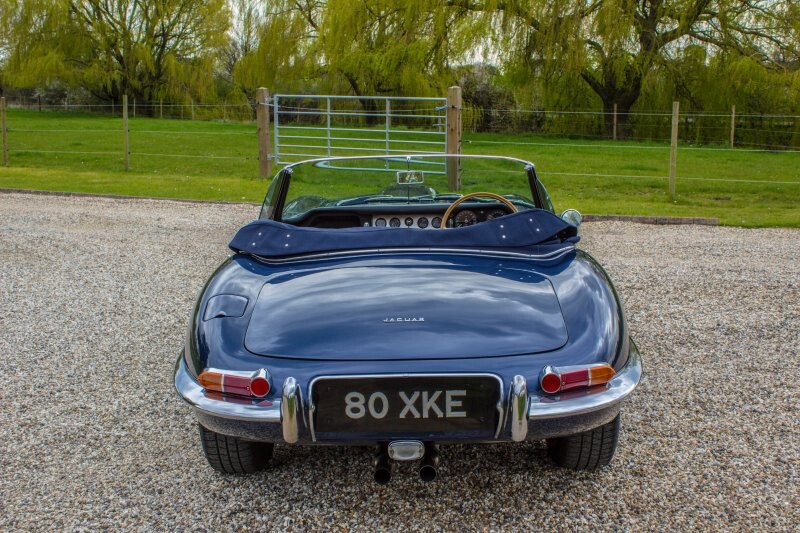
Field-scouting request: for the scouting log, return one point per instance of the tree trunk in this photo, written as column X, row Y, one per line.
column 612, row 90
column 369, row 106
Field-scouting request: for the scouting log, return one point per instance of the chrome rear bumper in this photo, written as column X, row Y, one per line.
column 193, row 394
column 626, row 380
column 530, row 416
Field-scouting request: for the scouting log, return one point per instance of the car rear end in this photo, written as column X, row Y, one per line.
column 408, row 351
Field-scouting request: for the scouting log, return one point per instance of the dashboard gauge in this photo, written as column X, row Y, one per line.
column 465, row 218
column 422, row 222
column 409, row 222
column 495, row 213
column 436, row 222
column 394, row 222
column 380, row 222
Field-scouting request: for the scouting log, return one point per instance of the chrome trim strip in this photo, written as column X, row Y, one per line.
column 289, row 407
column 240, row 373
column 440, row 251
column 192, row 393
column 311, row 406
column 523, row 162
column 501, row 415
column 618, row 389
column 519, row 408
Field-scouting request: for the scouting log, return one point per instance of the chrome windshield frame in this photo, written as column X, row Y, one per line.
column 281, row 182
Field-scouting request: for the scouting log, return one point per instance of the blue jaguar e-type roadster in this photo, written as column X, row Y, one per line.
column 371, row 305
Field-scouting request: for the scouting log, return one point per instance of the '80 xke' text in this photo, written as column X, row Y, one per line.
column 417, row 404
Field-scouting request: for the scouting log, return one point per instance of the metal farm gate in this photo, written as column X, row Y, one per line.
column 308, row 126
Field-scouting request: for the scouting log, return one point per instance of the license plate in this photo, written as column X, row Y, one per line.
column 406, row 406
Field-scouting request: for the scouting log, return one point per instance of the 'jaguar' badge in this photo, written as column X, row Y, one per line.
column 404, row 319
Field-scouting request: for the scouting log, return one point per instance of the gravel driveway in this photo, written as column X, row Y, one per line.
column 95, row 297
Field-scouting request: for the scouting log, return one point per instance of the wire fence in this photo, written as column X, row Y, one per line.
column 768, row 131
column 223, row 137
column 236, row 112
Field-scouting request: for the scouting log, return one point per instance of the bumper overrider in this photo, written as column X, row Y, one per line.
column 524, row 416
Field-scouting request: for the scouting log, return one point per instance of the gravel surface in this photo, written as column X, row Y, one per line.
column 95, row 297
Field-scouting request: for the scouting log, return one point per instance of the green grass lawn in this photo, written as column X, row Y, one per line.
column 206, row 160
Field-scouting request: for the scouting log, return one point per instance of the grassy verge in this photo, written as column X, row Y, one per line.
column 217, row 161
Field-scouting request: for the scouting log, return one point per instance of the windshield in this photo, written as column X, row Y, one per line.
column 397, row 180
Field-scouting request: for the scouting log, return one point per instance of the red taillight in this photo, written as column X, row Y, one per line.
column 554, row 380
column 259, row 386
column 234, row 382
column 572, row 379
column 550, row 382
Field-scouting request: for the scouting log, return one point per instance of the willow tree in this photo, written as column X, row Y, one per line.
column 8, row 14
column 387, row 47
column 612, row 45
column 279, row 52
column 142, row 48
column 360, row 47
column 246, row 20
column 29, row 30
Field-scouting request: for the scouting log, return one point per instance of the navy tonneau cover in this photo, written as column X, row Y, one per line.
column 533, row 231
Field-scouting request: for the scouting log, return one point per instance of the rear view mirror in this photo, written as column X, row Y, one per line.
column 572, row 216
column 410, row 177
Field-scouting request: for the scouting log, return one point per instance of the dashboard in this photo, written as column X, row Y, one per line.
column 406, row 216
column 463, row 217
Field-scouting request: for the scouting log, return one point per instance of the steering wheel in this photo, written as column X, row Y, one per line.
column 470, row 196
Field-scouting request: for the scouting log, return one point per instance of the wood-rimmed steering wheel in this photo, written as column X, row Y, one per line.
column 470, row 196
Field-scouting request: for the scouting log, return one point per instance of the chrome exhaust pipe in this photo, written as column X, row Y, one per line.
column 428, row 470
column 383, row 467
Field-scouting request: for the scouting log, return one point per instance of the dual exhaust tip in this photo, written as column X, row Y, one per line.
column 406, row 451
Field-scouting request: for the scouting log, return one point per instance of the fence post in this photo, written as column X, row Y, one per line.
column 328, row 121
column 264, row 141
column 40, row 103
column 3, row 127
column 134, row 107
column 387, row 126
column 733, row 124
column 161, row 108
column 125, row 145
column 453, row 137
column 191, row 101
column 615, row 122
column 673, row 152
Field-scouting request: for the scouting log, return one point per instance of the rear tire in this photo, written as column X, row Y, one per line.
column 231, row 455
column 589, row 450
